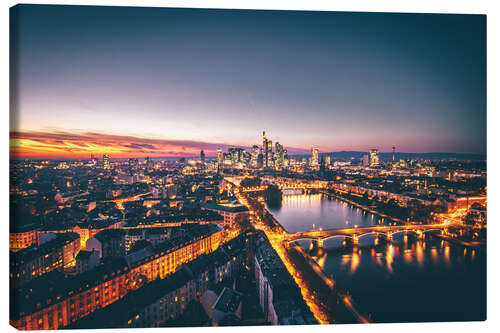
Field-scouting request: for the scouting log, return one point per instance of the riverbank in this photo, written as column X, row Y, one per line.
column 416, row 280
column 472, row 245
column 321, row 296
column 365, row 208
column 332, row 301
column 341, row 297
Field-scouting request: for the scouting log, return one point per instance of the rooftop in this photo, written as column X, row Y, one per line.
column 32, row 252
column 229, row 301
column 49, row 286
column 119, row 312
column 84, row 255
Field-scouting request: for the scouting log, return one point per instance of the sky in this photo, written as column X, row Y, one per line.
column 169, row 82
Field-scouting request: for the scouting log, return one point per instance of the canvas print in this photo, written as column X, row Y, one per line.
column 175, row 167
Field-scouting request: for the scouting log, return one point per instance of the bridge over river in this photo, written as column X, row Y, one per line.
column 385, row 231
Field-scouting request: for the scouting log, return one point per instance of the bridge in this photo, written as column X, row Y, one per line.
column 284, row 186
column 299, row 186
column 254, row 189
column 385, row 231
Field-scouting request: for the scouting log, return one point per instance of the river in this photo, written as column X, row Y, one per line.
column 407, row 281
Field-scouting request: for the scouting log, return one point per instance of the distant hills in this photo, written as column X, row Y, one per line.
column 348, row 155
column 338, row 155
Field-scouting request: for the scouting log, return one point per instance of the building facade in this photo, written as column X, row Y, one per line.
column 58, row 253
column 81, row 295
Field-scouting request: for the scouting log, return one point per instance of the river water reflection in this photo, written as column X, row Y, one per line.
column 407, row 280
column 305, row 212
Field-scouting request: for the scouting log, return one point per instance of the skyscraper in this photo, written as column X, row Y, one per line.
column 328, row 160
column 264, row 148
column 254, row 156
column 314, row 157
column 227, row 159
column 133, row 163
column 105, row 162
column 270, row 156
column 365, row 160
column 202, row 156
column 393, row 153
column 236, row 155
column 260, row 160
column 374, row 160
column 280, row 156
column 245, row 158
column 149, row 163
column 219, row 157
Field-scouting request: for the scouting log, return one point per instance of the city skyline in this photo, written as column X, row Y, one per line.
column 172, row 82
column 98, row 145
column 177, row 167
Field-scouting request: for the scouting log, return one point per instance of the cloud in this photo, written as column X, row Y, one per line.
column 62, row 144
column 140, row 146
column 33, row 144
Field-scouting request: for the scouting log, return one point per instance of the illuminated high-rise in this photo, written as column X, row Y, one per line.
column 105, row 162
column 219, row 156
column 254, row 156
column 264, row 149
column 227, row 159
column 236, row 155
column 260, row 160
column 373, row 158
column 270, row 155
column 149, row 163
column 281, row 156
column 133, row 163
column 365, row 160
column 314, row 157
column 328, row 160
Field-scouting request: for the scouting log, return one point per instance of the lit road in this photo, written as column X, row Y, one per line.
column 119, row 202
column 318, row 290
column 301, row 266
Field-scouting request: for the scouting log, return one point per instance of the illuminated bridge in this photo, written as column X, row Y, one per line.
column 299, row 186
column 254, row 189
column 355, row 233
column 285, row 186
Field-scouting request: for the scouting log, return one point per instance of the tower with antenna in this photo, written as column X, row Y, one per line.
column 265, row 148
column 393, row 153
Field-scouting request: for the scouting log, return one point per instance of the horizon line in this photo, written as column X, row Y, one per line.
column 14, row 157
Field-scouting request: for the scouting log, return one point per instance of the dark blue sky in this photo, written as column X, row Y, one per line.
column 339, row 81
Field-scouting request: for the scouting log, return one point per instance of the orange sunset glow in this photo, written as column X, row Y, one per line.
column 69, row 145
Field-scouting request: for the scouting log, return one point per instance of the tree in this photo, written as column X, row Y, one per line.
column 250, row 182
column 273, row 196
column 243, row 221
column 365, row 199
column 419, row 211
